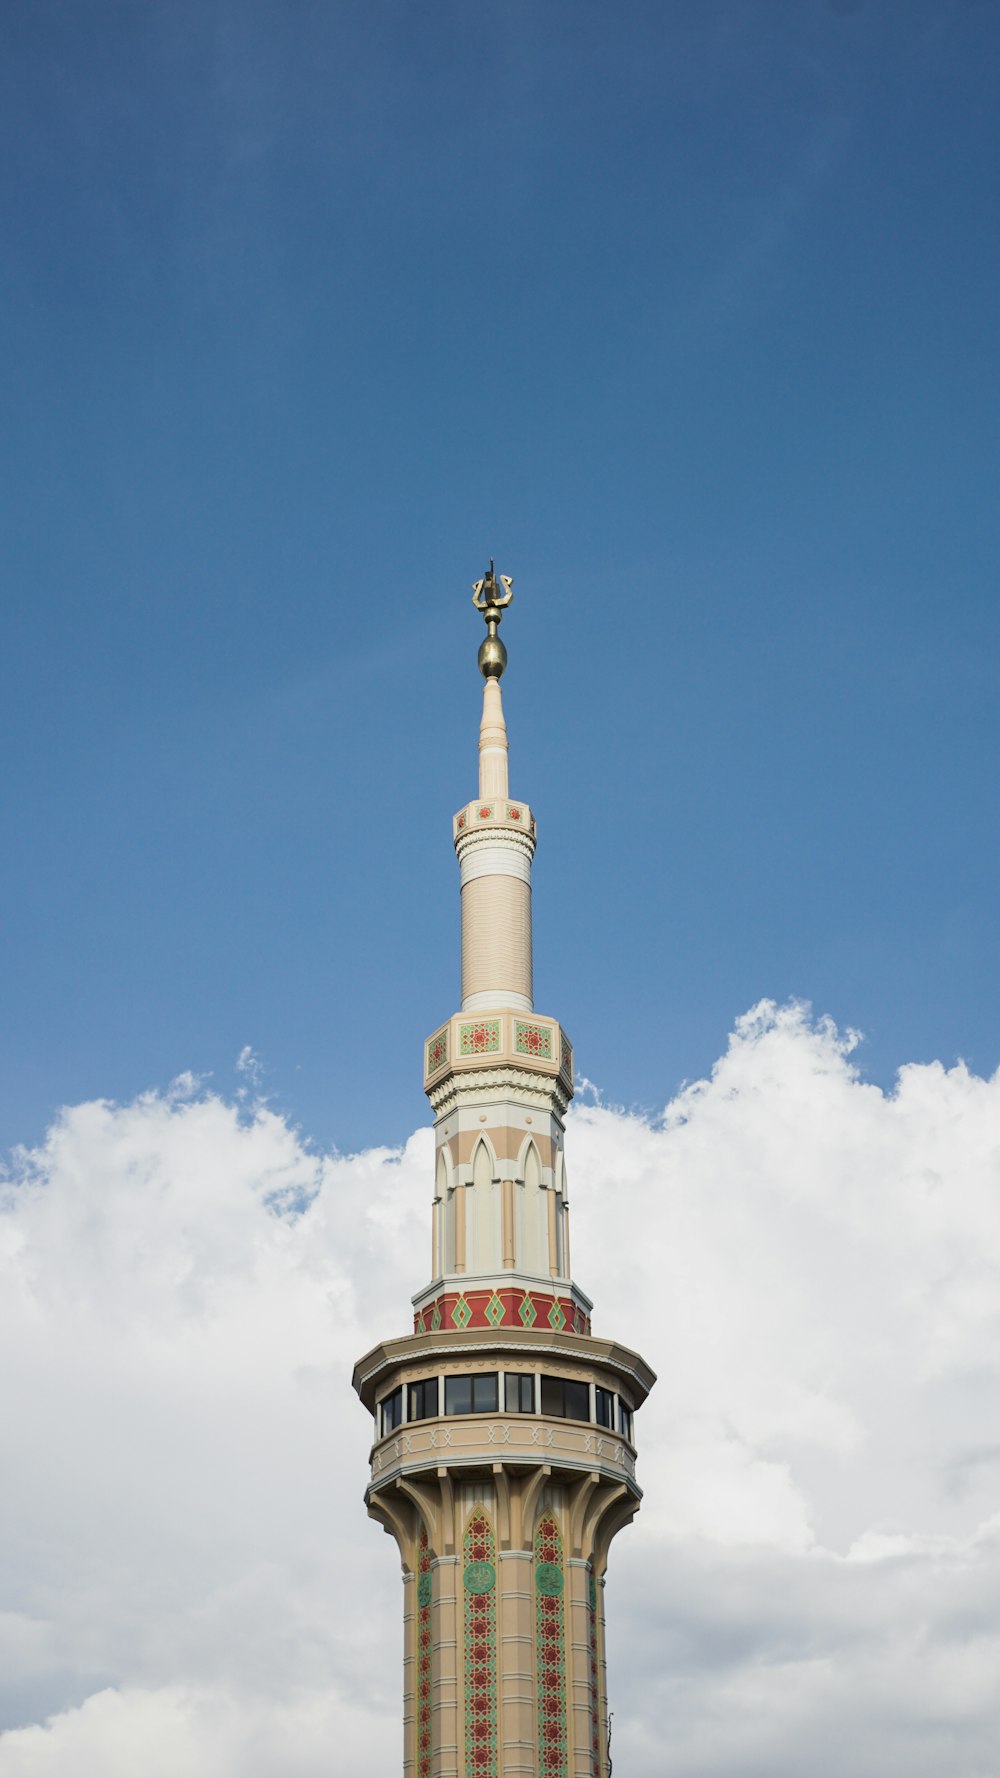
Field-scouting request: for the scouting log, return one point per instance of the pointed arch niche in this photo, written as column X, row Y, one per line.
column 531, row 1227
column 483, row 1217
column 561, row 1215
column 444, row 1215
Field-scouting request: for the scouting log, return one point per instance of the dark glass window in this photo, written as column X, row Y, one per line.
column 554, row 1396
column 392, row 1411
column 471, row 1395
column 423, row 1402
column 625, row 1420
column 519, row 1393
column 577, row 1401
column 458, row 1395
column 605, row 1406
column 565, row 1399
column 485, row 1397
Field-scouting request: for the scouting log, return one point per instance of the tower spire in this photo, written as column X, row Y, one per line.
column 493, row 780
column 491, row 596
column 504, row 1456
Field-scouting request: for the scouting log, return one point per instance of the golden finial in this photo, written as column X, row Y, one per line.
column 491, row 596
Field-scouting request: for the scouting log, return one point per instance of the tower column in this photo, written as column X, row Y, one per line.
column 517, row 1676
column 495, row 876
column 409, row 1675
column 445, row 1755
column 502, row 1462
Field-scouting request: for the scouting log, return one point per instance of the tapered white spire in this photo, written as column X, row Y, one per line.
column 492, row 744
column 495, row 842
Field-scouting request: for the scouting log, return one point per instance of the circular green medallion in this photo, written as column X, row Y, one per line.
column 480, row 1577
column 549, row 1579
column 424, row 1586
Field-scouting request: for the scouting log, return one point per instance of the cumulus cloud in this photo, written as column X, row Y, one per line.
column 810, row 1264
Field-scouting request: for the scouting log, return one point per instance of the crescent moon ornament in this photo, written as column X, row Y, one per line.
column 494, row 589
column 491, row 596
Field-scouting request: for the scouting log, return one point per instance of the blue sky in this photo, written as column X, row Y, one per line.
column 687, row 314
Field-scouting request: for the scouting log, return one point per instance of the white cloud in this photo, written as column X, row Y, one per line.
column 812, row 1267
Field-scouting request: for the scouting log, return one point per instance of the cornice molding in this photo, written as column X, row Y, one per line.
column 546, row 1092
column 513, row 838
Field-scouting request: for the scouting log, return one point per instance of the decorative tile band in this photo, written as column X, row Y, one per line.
column 479, row 1553
column 500, row 1308
column 550, row 1647
column 595, row 1706
column 516, row 817
column 495, row 1310
column 425, row 1644
column 469, row 1041
column 481, row 1038
column 533, row 1040
column 437, row 1051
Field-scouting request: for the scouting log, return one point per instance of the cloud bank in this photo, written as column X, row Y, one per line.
column 811, row 1265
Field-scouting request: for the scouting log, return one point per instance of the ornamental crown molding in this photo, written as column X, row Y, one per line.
column 492, row 1085
column 494, row 836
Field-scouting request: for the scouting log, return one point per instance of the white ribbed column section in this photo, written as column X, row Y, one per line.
column 495, row 865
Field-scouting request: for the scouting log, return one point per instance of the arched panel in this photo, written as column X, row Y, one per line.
column 562, row 1217
column 531, row 1215
column 483, row 1163
column 484, row 1232
column 448, row 1213
column 443, row 1211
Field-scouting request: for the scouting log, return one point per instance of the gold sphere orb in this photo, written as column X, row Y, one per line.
column 492, row 657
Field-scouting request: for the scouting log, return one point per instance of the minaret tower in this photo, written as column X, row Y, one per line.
column 504, row 1454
